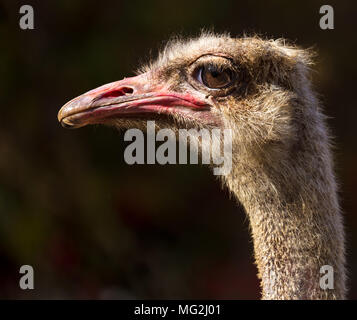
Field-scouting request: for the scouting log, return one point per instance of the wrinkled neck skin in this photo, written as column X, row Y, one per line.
column 296, row 225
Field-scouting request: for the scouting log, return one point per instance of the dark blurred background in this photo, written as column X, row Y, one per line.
column 93, row 226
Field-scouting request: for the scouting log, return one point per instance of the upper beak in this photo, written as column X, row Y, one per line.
column 127, row 97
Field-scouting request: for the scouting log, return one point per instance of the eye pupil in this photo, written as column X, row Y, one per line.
column 214, row 78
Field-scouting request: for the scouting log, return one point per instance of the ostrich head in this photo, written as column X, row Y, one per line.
column 282, row 167
column 248, row 85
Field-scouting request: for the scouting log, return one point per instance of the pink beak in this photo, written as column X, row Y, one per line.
column 130, row 97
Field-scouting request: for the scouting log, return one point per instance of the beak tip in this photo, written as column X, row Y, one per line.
column 61, row 119
column 61, row 113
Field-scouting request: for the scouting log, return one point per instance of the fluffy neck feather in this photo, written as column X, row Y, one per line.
column 294, row 215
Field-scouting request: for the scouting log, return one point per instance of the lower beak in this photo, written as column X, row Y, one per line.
column 129, row 97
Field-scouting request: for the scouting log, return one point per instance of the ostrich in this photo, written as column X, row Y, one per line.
column 282, row 166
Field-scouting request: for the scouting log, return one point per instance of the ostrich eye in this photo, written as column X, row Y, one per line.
column 213, row 77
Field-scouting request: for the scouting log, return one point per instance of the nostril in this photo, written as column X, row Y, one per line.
column 128, row 90
column 123, row 91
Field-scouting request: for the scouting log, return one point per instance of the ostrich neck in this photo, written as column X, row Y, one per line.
column 295, row 222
